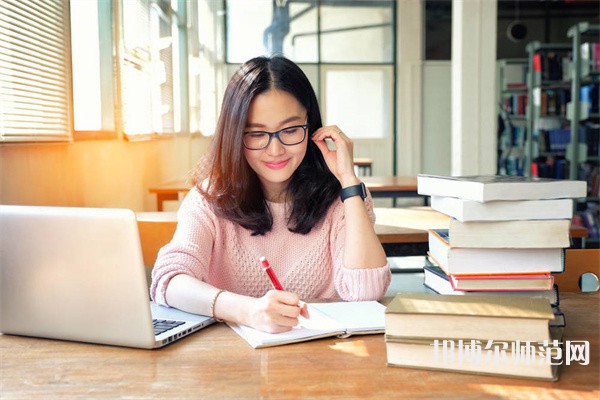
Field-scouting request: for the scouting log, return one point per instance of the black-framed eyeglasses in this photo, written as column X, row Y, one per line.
column 290, row 136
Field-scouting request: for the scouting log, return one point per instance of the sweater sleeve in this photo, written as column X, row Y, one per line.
column 355, row 284
column 190, row 249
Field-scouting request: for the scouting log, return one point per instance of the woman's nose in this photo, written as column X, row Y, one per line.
column 275, row 147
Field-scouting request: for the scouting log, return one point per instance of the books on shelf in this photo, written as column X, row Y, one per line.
column 326, row 319
column 485, row 188
column 439, row 282
column 465, row 260
column 434, row 316
column 509, row 234
column 481, row 357
column 469, row 210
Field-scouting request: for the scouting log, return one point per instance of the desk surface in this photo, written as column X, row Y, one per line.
column 390, row 183
column 216, row 363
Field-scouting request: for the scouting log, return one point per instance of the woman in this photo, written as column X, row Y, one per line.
column 270, row 186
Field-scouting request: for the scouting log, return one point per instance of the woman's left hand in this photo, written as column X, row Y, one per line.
column 341, row 160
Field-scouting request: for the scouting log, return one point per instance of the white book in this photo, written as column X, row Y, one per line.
column 485, row 188
column 541, row 233
column 465, row 260
column 326, row 319
column 470, row 210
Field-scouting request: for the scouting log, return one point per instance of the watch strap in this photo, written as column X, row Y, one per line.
column 354, row 190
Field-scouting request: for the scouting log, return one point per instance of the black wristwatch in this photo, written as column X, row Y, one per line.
column 355, row 190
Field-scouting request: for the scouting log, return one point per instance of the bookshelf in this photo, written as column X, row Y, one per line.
column 548, row 91
column 583, row 152
column 511, row 86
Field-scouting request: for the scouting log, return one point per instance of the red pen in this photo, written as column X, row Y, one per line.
column 275, row 281
column 271, row 273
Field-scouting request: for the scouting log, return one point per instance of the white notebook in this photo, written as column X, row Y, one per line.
column 326, row 319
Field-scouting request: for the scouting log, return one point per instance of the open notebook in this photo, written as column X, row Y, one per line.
column 326, row 319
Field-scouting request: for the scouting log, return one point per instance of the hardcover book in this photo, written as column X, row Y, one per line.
column 326, row 319
column 501, row 282
column 470, row 210
column 436, row 280
column 473, row 260
column 485, row 188
column 548, row 233
column 484, row 357
column 480, row 317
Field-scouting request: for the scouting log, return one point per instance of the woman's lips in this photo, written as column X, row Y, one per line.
column 276, row 164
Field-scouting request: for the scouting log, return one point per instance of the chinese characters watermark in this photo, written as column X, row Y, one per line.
column 474, row 351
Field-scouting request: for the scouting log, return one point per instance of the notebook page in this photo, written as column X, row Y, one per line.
column 356, row 316
column 318, row 325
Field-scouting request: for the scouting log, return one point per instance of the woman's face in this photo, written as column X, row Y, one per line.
column 275, row 164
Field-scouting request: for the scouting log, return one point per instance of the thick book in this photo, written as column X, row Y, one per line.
column 529, row 360
column 326, row 320
column 510, row 234
column 469, row 210
column 472, row 260
column 480, row 317
column 436, row 280
column 485, row 188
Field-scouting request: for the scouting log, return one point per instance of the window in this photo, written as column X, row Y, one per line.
column 149, row 65
column 347, row 50
column 90, row 69
column 35, row 98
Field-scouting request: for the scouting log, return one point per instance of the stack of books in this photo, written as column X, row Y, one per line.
column 507, row 234
column 490, row 335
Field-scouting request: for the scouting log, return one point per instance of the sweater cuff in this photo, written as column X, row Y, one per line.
column 364, row 284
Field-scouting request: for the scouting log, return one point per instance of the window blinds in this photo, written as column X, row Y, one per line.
column 34, row 71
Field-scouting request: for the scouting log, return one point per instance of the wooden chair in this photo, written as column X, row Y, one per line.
column 156, row 230
column 577, row 263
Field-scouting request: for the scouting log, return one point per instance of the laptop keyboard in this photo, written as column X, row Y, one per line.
column 163, row 325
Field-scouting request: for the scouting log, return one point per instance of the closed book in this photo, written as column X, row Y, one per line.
column 473, row 260
column 470, row 210
column 436, row 280
column 485, row 188
column 481, row 317
column 502, row 282
column 545, row 233
column 530, row 360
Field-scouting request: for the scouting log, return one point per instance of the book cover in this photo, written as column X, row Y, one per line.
column 454, row 317
column 502, row 282
column 485, row 188
column 326, row 320
column 469, row 210
column 546, row 233
column 473, row 260
column 436, row 280
column 533, row 360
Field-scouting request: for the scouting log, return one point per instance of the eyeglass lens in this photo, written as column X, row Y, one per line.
column 288, row 136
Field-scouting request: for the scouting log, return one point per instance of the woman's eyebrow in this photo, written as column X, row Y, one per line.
column 281, row 123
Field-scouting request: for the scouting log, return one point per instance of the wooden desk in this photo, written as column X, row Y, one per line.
column 217, row 363
column 170, row 191
column 364, row 165
column 393, row 186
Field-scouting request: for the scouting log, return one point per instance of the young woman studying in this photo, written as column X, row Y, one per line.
column 271, row 187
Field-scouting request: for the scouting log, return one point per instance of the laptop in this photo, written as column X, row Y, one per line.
column 78, row 274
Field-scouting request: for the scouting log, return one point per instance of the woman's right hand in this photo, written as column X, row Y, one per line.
column 277, row 311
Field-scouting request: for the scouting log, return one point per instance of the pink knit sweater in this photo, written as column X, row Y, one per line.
column 225, row 255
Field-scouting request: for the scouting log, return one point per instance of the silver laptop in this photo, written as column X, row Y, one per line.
column 78, row 274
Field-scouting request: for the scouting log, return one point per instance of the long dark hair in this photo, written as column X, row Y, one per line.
column 232, row 185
